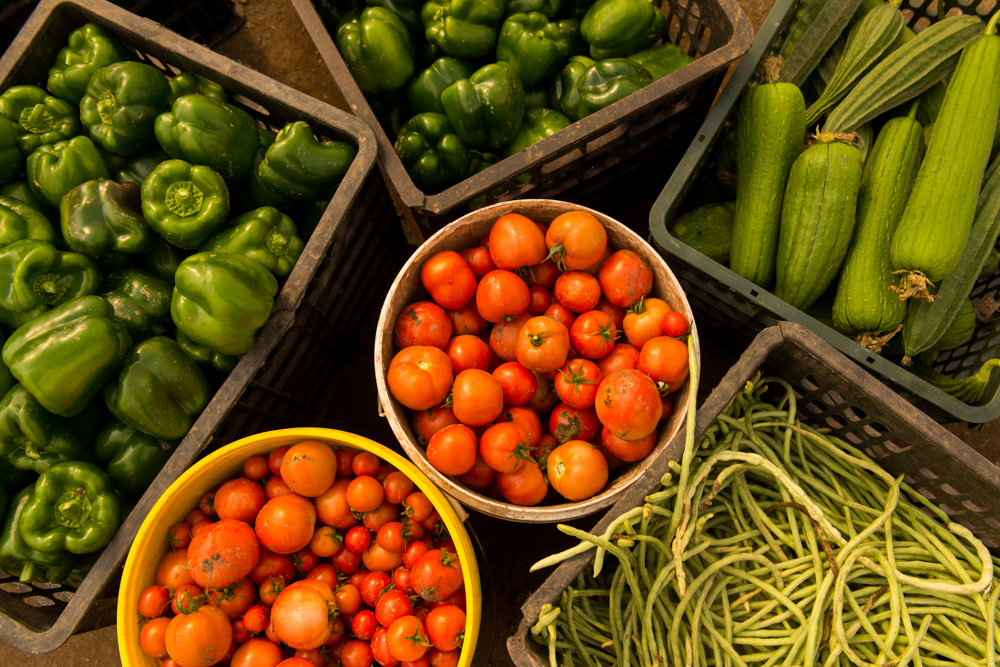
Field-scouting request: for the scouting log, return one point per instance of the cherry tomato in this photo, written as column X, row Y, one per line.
column 477, row 397
column 348, row 599
column 270, row 589
column 345, row 462
column 503, row 337
column 517, row 382
column 675, row 324
column 445, row 625
column 397, row 486
column 542, row 275
column 325, row 541
column 627, row 450
column 628, row 403
column 452, row 450
column 466, row 320
column 274, row 460
column 286, row 523
column 199, row 638
column 255, row 468
column 365, row 463
column 418, row 505
column 665, row 360
column 622, row 355
column 644, row 321
column 505, row 447
column 576, row 240
column 541, row 299
column 449, row 279
column 576, row 383
column 478, row 259
column 577, row 470
column 332, row 507
column 302, row 615
column 364, row 493
column 195, row 516
column 378, row 559
column 346, row 561
column 363, row 624
column 625, row 278
column 422, row 323
column 372, row 586
column 407, row 638
column 257, row 652
column 501, row 294
column 436, row 575
column 255, row 619
column 234, row 599
column 271, row 564
column 525, row 486
column 381, row 515
column 516, row 241
column 559, row 312
column 380, row 648
column 542, row 344
column 200, row 527
column 527, row 419
column 356, row 653
column 420, row 376
column 154, row 601
column 179, row 535
column 578, row 291
column 152, row 637
column 401, row 579
column 274, row 487
column 357, row 539
column 568, row 423
column 593, row 334
column 207, row 505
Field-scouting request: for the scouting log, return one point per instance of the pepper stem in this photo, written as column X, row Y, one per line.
column 73, row 508
column 36, row 119
column 277, row 243
column 27, row 573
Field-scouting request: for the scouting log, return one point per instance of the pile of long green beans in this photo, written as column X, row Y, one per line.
column 773, row 543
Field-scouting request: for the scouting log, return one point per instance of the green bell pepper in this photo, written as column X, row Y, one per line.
column 21, row 191
column 432, row 153
column 13, row 319
column 538, row 124
column 64, row 356
column 140, row 300
column 610, row 80
column 54, row 170
column 548, row 7
column 617, row 28
column 463, row 28
column 121, row 105
column 536, row 98
column 296, row 165
column 564, row 90
column 662, row 59
column 254, row 193
column 408, row 12
column 424, row 93
column 32, row 438
column 40, row 118
column 486, row 109
column 160, row 390
column 570, row 29
column 162, row 261
column 4, row 502
column 18, row 559
column 533, row 46
column 221, row 300
column 140, row 166
column 132, row 458
column 6, row 379
column 207, row 132
column 265, row 235
column 19, row 220
column 34, row 273
column 185, row 203
column 207, row 360
column 89, row 48
column 103, row 219
column 378, row 50
column 11, row 159
column 73, row 506
column 187, row 83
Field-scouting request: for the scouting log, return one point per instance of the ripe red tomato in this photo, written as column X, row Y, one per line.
column 428, row 422
column 286, row 523
column 576, row 240
column 467, row 351
column 578, row 291
column 501, row 294
column 390, row 537
column 381, row 515
column 644, row 321
column 255, row 619
column 186, row 599
column 505, row 447
column 477, row 398
column 466, row 320
column 357, row 539
column 545, row 397
column 577, row 470
column 517, row 382
column 239, row 499
column 199, row 638
column 422, row 323
column 365, row 463
column 675, row 324
column 325, row 541
column 274, row 487
column 380, row 648
column 257, row 652
column 302, row 615
column 274, row 460
column 378, row 559
column 628, row 403
column 525, row 486
column 627, row 450
column 418, row 506
column 179, row 535
column 543, row 275
column 398, row 486
column 407, row 639
column 568, row 423
column 255, row 468
column 223, row 554
column 527, row 419
column 617, row 313
column 152, row 637
column 665, row 360
column 668, row 406
column 363, row 624
column 542, row 344
column 420, row 376
column 452, row 450
column 445, row 625
column 503, row 337
column 356, row 653
column 516, row 241
column 436, row 575
column 576, row 383
column 154, row 601
column 625, row 278
column 234, row 599
column 309, row 468
column 622, row 355
column 559, row 312
column 271, row 564
column 478, row 259
column 332, row 508
column 449, row 279
column 541, row 299
column 401, row 579
column 437, row 658
column 593, row 334
column 479, row 477
column 364, row 493
column 392, row 605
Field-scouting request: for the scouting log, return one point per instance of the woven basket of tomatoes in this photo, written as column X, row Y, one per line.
column 295, row 547
column 530, row 358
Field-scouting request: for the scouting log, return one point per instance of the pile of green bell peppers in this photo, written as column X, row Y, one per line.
column 131, row 281
column 451, row 79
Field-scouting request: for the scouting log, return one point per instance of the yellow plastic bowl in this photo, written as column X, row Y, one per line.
column 150, row 544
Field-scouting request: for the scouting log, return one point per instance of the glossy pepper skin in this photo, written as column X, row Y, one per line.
column 162, row 261
column 617, row 28
column 140, row 166
column 548, row 7
column 19, row 220
column 140, row 300
column 103, row 219
column 40, row 118
column 6, row 381
column 185, row 203
column 425, row 91
column 377, row 48
column 121, row 105
column 265, row 235
column 408, row 12
column 54, row 170
column 538, row 124
column 65, row 356
column 11, row 159
column 21, row 191
column 160, row 390
column 207, row 132
column 207, row 360
column 463, row 28
column 253, row 193
column 36, row 274
column 434, row 156
column 533, row 46
column 298, row 166
column 610, row 80
column 662, row 59
column 31, row 438
column 221, row 300
column 89, row 48
column 564, row 90
column 486, row 109
column 187, row 83
column 132, row 458
column 18, row 559
column 73, row 506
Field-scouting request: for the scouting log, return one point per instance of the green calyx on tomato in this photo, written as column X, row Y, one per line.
column 575, row 378
column 607, row 332
column 538, row 339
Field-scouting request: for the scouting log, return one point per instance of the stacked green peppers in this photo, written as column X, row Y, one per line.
column 130, row 282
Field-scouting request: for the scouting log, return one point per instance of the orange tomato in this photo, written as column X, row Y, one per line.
column 309, row 468
column 576, row 240
column 420, row 376
column 516, row 241
column 542, row 344
column 577, row 470
column 200, row 638
column 645, row 321
column 665, row 360
column 628, row 403
column 477, row 398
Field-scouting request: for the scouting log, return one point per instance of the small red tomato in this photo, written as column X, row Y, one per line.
column 364, row 493
column 255, row 619
column 179, row 535
column 449, row 279
column 568, row 423
column 505, row 447
column 540, row 299
column 625, row 278
column 357, row 539
column 422, row 323
column 467, row 351
column 577, row 291
column 675, row 324
column 255, row 468
column 397, row 486
column 363, row 624
column 517, row 382
column 478, row 259
column 576, row 383
column 593, row 334
column 154, row 601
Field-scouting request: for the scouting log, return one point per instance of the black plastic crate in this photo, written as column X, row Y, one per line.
column 281, row 381
column 643, row 131
column 834, row 394
column 724, row 300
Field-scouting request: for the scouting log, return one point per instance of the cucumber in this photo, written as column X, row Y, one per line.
column 817, row 219
column 708, row 229
column 815, row 29
column 935, row 226
column 865, row 301
column 770, row 129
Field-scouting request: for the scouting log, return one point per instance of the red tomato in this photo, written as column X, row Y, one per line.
column 545, row 397
column 477, row 398
column 397, row 485
column 195, row 516
column 186, row 599
column 357, row 539
column 527, row 419
column 392, row 605
column 543, row 275
column 234, row 599
column 576, row 383
column 363, row 624
column 332, row 508
column 568, row 423
column 314, row 656
column 152, row 637
column 541, row 299
column 645, row 321
column 428, row 422
column 199, row 527
column 207, row 505
column 274, row 460
column 505, row 447
column 223, row 554
column 449, row 279
column 296, row 662
column 420, row 377
column 675, row 324
column 501, row 294
column 154, row 601
column 199, row 638
column 436, row 575
column 179, row 535
column 274, row 487
column 271, row 564
column 381, row 515
column 479, row 477
column 516, row 241
column 239, row 499
column 309, row 468
column 617, row 313
column 466, row 320
column 422, row 323
column 325, row 541
column 622, row 355
column 445, row 625
column 478, row 259
column 348, row 599
column 255, row 619
column 364, row 493
column 576, row 240
column 467, row 351
column 525, row 486
column 668, row 407
column 577, row 470
column 378, row 559
column 302, row 615
column 627, row 450
column 542, row 344
column 414, row 550
column 418, row 506
column 365, row 463
column 625, row 278
column 390, row 537
column 286, row 523
column 516, row 381
column 380, row 648
column 407, row 638
column 593, row 334
column 628, row 403
column 559, row 312
column 578, row 291
column 401, row 579
column 438, row 658
column 665, row 360
column 452, row 450
column 255, row 468
column 503, row 337
column 356, row 653
column 257, row 652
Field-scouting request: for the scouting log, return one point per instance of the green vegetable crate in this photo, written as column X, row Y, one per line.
column 834, row 394
column 335, row 289
column 590, row 156
column 724, row 300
